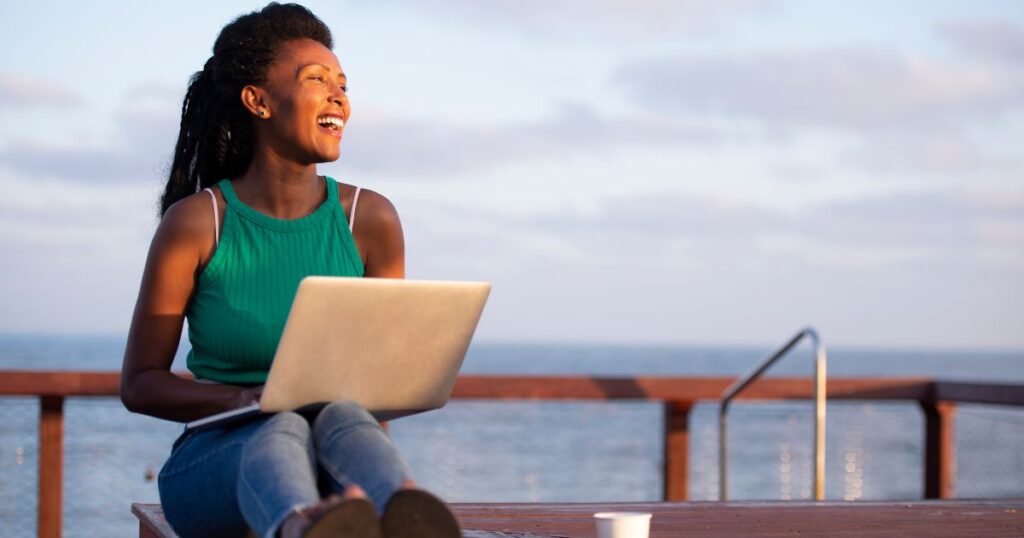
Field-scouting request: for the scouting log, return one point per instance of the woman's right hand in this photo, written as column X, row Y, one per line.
column 250, row 396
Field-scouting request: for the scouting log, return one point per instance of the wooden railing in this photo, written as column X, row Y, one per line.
column 937, row 399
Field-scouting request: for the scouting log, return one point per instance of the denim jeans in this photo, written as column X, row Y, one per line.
column 221, row 482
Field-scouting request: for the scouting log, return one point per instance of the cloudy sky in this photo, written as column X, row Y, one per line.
column 651, row 171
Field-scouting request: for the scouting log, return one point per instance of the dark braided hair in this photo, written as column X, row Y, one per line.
column 216, row 136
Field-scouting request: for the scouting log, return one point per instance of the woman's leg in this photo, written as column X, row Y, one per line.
column 223, row 482
column 197, row 484
column 353, row 449
column 277, row 472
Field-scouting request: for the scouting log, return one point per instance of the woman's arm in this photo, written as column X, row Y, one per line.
column 182, row 243
column 378, row 234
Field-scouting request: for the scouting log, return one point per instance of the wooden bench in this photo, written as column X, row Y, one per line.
column 153, row 525
column 151, row 521
column 990, row 518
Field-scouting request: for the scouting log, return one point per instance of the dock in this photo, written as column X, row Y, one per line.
column 937, row 515
column 972, row 518
column 990, row 518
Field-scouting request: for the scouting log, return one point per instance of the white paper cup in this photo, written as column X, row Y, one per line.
column 622, row 524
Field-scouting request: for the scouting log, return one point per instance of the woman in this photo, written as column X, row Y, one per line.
column 244, row 218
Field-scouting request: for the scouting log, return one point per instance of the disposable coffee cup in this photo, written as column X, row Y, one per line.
column 622, row 524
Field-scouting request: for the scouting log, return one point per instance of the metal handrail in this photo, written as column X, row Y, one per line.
column 819, row 411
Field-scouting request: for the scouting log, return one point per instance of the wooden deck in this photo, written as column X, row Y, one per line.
column 988, row 518
column 769, row 518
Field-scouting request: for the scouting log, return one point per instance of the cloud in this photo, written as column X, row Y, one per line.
column 145, row 128
column 910, row 268
column 905, row 114
column 81, row 164
column 640, row 19
column 21, row 91
column 941, row 227
column 994, row 39
column 937, row 152
column 839, row 89
column 149, row 117
column 382, row 144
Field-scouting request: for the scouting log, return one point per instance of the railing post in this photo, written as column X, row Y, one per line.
column 51, row 457
column 939, row 457
column 743, row 382
column 677, row 450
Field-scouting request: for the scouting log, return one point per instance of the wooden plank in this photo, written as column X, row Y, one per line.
column 495, row 534
column 86, row 383
column 152, row 523
column 983, row 393
column 147, row 532
column 28, row 383
column 939, row 450
column 696, row 519
column 51, row 466
column 59, row 383
column 681, row 388
column 991, row 518
column 675, row 475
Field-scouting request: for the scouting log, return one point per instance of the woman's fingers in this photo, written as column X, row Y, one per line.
column 249, row 396
column 354, row 492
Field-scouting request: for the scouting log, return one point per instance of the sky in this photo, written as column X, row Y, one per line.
column 685, row 172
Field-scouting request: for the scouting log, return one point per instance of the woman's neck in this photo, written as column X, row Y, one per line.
column 280, row 188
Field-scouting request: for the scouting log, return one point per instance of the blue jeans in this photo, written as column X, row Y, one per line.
column 222, row 482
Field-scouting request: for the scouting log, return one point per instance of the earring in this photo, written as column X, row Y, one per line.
column 261, row 113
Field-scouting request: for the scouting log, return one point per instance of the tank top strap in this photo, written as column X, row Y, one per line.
column 216, row 217
column 332, row 189
column 228, row 192
column 352, row 213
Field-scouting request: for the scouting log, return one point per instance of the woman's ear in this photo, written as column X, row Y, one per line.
column 254, row 100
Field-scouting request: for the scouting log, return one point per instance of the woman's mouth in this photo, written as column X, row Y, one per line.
column 331, row 124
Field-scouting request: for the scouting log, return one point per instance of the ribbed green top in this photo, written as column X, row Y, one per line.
column 242, row 297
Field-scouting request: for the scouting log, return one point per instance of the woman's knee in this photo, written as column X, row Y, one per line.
column 343, row 414
column 287, row 425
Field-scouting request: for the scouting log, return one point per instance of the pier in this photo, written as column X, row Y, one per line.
column 989, row 518
column 677, row 395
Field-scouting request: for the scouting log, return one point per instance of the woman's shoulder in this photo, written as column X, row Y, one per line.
column 192, row 217
column 377, row 232
column 373, row 209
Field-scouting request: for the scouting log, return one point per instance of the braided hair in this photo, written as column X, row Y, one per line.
column 215, row 140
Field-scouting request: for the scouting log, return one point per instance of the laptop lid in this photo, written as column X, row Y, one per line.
column 393, row 346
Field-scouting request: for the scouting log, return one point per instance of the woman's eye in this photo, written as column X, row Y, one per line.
column 319, row 78
column 344, row 88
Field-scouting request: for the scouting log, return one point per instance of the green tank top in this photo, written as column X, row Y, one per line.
column 243, row 295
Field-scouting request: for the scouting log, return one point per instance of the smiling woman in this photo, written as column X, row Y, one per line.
column 245, row 218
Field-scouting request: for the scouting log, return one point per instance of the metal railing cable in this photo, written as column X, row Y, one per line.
column 819, row 411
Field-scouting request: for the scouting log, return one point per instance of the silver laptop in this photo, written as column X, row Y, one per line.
column 393, row 346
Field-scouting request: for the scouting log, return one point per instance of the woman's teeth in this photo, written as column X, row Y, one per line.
column 330, row 122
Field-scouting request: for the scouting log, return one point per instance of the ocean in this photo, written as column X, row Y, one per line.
column 552, row 451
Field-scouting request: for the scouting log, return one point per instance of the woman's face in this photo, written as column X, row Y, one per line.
column 305, row 102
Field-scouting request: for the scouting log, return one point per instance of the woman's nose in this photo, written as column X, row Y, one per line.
column 339, row 96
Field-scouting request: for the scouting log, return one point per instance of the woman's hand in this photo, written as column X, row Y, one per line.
column 250, row 396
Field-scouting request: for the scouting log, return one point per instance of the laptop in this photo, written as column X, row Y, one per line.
column 393, row 346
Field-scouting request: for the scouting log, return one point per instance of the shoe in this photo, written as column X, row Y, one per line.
column 414, row 513
column 334, row 517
